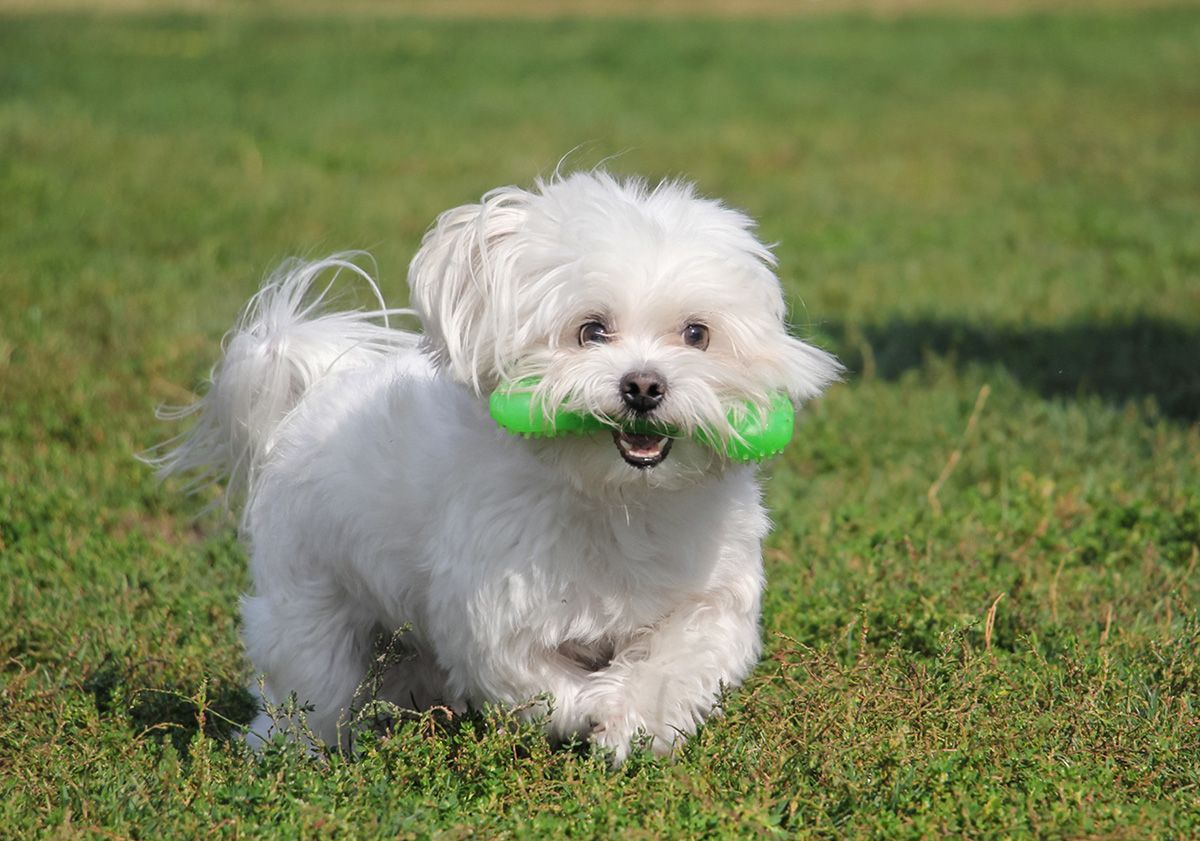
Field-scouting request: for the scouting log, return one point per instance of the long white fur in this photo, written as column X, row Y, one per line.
column 274, row 354
column 382, row 495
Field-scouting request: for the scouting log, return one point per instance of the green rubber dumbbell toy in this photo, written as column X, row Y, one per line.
column 757, row 437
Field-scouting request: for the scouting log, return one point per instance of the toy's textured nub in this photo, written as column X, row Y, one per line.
column 757, row 436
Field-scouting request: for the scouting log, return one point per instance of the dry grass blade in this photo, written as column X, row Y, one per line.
column 956, row 456
column 990, row 623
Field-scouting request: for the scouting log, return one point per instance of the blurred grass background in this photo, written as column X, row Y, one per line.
column 989, row 211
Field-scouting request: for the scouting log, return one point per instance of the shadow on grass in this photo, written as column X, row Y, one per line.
column 217, row 707
column 149, row 705
column 1118, row 361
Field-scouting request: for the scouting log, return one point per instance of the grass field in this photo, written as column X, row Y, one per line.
column 983, row 611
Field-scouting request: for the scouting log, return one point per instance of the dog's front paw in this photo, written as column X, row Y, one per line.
column 614, row 737
column 617, row 731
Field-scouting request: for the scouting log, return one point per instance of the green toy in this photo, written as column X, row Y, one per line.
column 756, row 437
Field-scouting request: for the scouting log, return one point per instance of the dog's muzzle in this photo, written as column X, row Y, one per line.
column 642, row 392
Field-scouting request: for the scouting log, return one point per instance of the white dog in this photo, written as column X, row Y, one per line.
column 616, row 576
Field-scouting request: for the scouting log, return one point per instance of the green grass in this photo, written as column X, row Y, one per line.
column 1009, row 203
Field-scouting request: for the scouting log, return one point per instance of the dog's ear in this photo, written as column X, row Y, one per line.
column 808, row 369
column 464, row 289
column 776, row 359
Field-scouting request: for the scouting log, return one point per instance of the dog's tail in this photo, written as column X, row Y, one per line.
column 282, row 345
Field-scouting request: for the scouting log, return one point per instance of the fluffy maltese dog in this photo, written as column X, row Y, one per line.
column 607, row 583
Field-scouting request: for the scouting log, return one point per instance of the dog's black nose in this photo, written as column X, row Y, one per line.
column 642, row 391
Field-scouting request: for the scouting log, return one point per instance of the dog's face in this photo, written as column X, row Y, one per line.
column 625, row 303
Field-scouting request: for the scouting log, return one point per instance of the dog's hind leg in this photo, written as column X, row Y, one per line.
column 313, row 642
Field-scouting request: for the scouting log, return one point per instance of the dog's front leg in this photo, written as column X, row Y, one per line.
column 509, row 666
column 666, row 681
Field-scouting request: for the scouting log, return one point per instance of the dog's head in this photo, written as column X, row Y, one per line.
column 626, row 302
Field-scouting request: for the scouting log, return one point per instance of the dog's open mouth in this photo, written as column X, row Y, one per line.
column 642, row 451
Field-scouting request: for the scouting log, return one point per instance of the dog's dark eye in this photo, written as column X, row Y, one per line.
column 696, row 335
column 593, row 333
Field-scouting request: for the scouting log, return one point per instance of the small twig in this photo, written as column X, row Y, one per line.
column 989, row 623
column 1107, row 624
column 1039, row 532
column 956, row 456
column 1054, row 589
column 862, row 639
column 868, row 360
column 1174, row 583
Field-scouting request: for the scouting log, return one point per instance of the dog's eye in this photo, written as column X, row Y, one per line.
column 696, row 335
column 593, row 333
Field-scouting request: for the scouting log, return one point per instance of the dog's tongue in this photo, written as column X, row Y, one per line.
column 645, row 446
column 642, row 450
